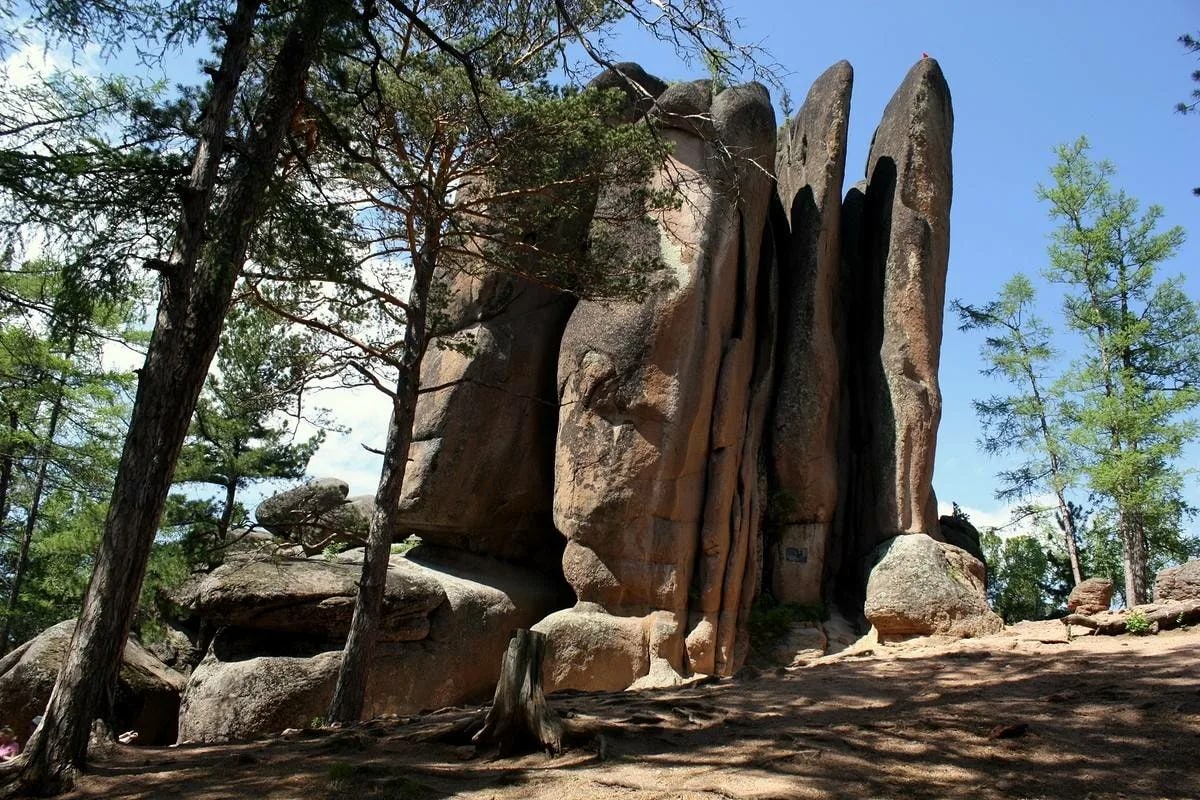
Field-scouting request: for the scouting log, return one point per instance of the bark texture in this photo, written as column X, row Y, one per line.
column 194, row 297
column 519, row 719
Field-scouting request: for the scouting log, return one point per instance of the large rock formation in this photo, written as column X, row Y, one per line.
column 900, row 225
column 771, row 404
column 662, row 404
column 450, row 618
column 805, row 474
column 478, row 479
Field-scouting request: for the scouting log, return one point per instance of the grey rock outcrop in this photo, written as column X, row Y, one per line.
column 317, row 514
column 960, row 533
column 1181, row 582
column 804, row 433
column 920, row 587
column 662, row 401
column 309, row 596
column 147, row 698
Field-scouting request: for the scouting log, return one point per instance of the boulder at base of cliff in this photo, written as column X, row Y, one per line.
column 1091, row 596
column 255, row 681
column 921, row 587
column 1178, row 583
column 147, row 692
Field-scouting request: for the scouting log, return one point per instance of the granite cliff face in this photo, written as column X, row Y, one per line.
column 632, row 476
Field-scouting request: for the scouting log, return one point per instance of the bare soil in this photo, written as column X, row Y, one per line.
column 1024, row 714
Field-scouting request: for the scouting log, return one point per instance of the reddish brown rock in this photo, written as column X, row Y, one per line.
column 1091, row 596
column 900, row 229
column 662, row 402
column 480, row 472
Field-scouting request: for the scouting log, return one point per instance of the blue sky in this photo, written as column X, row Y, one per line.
column 1025, row 76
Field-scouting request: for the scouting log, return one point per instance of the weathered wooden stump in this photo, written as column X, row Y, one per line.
column 519, row 719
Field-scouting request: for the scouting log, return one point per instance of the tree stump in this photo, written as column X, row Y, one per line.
column 519, row 719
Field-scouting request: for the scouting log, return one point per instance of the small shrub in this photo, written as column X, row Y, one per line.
column 1137, row 623
column 770, row 620
column 400, row 548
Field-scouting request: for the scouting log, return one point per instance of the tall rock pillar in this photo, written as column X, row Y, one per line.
column 662, row 404
column 803, row 428
column 901, row 229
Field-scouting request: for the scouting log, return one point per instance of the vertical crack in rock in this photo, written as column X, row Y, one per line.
column 803, row 431
column 647, row 488
column 480, row 476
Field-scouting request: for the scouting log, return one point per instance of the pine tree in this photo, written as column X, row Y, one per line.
column 1138, row 376
column 240, row 431
column 1018, row 350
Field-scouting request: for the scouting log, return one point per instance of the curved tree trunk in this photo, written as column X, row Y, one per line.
column 194, row 298
column 349, row 694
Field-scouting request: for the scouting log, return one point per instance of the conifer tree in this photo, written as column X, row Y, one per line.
column 1138, row 376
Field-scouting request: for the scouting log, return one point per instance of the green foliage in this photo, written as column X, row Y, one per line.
column 1137, row 623
column 1137, row 381
column 771, row 620
column 61, row 416
column 1027, row 580
column 400, row 548
column 238, row 434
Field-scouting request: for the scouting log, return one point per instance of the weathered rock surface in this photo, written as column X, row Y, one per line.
column 920, row 587
column 774, row 399
column 910, row 167
column 482, row 480
column 252, row 683
column 480, row 476
column 897, row 239
column 1091, row 596
column 661, row 405
column 309, row 596
column 809, row 167
column 147, row 697
column 1178, row 583
column 317, row 514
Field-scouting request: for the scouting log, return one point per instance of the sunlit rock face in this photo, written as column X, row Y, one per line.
column 898, row 240
column 662, row 405
column 629, row 477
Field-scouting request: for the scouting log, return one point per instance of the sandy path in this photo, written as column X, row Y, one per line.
column 1003, row 717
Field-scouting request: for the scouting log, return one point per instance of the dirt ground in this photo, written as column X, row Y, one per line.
column 1024, row 714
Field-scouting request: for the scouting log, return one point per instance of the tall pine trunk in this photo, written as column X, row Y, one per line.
column 349, row 694
column 194, row 298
